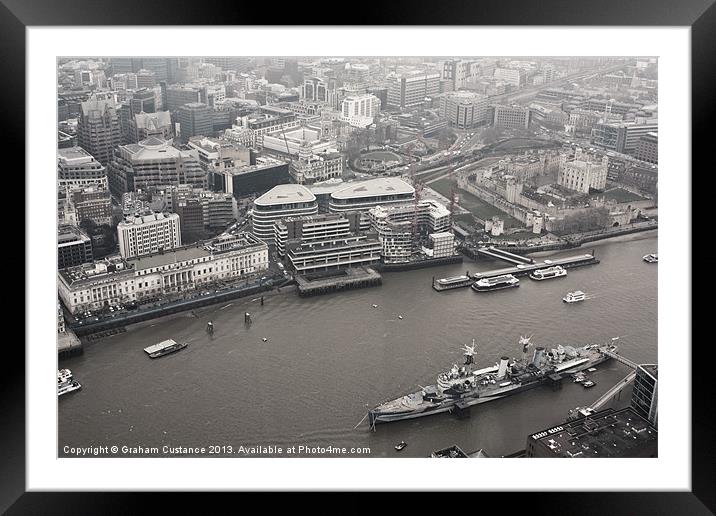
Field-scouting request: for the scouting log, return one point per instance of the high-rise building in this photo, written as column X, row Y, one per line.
column 98, row 130
column 153, row 162
column 148, row 233
column 78, row 168
column 144, row 125
column 464, row 109
column 644, row 397
column 458, row 72
column 360, row 110
column 411, row 90
column 195, row 119
column 177, row 95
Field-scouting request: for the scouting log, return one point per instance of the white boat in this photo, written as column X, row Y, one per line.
column 496, row 283
column 574, row 297
column 548, row 273
column 68, row 387
column 651, row 258
column 164, row 348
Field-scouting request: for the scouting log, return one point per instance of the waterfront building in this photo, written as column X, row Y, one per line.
column 325, row 242
column 410, row 90
column 74, row 247
column 399, row 227
column 78, row 168
column 147, row 233
column 647, row 148
column 360, row 110
column 185, row 269
column 98, row 129
column 512, row 117
column 440, row 245
column 280, row 202
column 311, row 228
column 463, row 109
column 153, row 162
column 644, row 397
column 608, row 434
column 583, row 171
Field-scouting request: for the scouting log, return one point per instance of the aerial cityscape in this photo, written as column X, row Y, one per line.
column 308, row 256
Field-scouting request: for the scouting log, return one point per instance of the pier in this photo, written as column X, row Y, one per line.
column 501, row 254
column 523, row 269
column 358, row 277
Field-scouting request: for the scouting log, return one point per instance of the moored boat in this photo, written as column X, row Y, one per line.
column 496, row 283
column 548, row 273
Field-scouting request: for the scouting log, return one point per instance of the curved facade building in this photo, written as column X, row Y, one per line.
column 369, row 194
column 278, row 203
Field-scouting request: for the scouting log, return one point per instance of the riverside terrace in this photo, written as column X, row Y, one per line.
column 115, row 281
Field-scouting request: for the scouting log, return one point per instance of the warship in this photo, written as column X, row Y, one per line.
column 462, row 387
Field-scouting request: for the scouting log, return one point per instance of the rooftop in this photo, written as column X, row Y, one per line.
column 74, row 155
column 285, row 194
column 374, row 188
column 607, row 433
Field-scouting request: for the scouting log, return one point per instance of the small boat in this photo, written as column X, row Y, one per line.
column 496, row 283
column 400, row 445
column 651, row 258
column 264, row 339
column 375, row 306
column 574, row 297
column 164, row 348
column 400, row 317
column 591, row 369
column 588, row 383
column 579, row 377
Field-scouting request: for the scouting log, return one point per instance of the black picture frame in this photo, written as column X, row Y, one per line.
column 700, row 15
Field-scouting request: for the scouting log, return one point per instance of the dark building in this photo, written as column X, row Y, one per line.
column 74, row 247
column 254, row 179
column 93, row 204
column 178, row 95
column 641, row 177
column 159, row 65
column 125, row 64
column 191, row 218
column 644, row 396
column 608, row 434
column 195, row 119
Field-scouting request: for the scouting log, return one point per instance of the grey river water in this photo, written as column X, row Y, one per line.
column 329, row 358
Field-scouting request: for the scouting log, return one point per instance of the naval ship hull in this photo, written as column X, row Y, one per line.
column 377, row 416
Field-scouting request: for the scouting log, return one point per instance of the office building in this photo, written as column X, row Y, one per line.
column 153, row 162
column 456, row 73
column 78, row 168
column 117, row 280
column 98, row 130
column 311, row 168
column 644, row 397
column 179, row 94
column 91, row 203
column 195, row 119
column 364, row 195
column 360, row 110
column 621, row 137
column 280, row 202
column 512, row 117
column 410, row 90
column 463, row 109
column 247, row 180
column 647, row 148
column 314, row 228
column 148, row 232
column 74, row 247
column 513, row 76
column 145, row 125
column 400, row 227
column 607, row 434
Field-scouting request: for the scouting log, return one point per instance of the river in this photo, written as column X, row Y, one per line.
column 327, row 359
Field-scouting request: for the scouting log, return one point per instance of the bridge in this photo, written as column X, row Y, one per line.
column 613, row 391
column 501, row 254
column 623, row 360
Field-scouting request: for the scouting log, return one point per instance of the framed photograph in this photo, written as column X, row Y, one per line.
column 306, row 257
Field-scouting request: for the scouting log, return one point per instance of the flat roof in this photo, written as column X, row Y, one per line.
column 285, row 194
column 374, row 188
